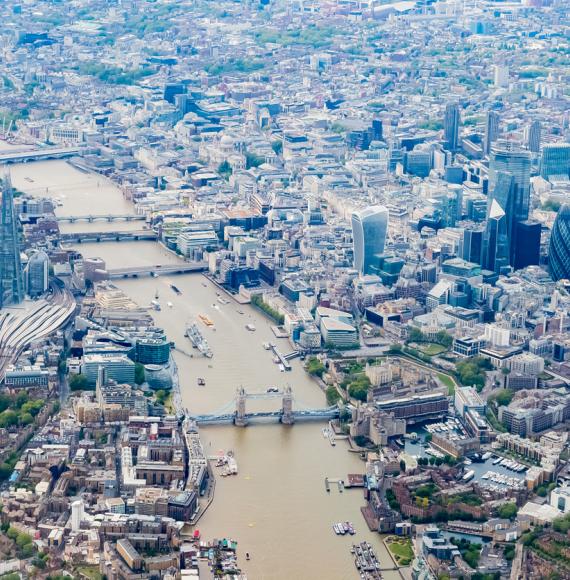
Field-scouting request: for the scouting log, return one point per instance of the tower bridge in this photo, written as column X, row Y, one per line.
column 286, row 415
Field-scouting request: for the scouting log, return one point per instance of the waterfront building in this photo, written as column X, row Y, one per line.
column 152, row 347
column 555, row 161
column 435, row 544
column 468, row 399
column 417, row 407
column 451, row 123
column 11, row 274
column 191, row 243
column 369, row 229
column 118, row 368
column 559, row 249
column 37, row 274
column 338, row 333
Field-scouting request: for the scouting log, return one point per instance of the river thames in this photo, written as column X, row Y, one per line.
column 276, row 507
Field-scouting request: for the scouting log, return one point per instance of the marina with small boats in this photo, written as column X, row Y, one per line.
column 366, row 561
column 343, row 528
column 227, row 464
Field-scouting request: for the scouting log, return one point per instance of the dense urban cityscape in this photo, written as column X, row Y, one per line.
column 285, row 289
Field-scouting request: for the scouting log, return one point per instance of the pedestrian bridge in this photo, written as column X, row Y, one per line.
column 86, row 237
column 286, row 415
column 158, row 270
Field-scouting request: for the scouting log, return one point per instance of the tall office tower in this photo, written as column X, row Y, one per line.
column 37, row 274
column 559, row 249
column 555, row 161
column 499, row 233
column 471, row 244
column 496, row 246
column 377, row 130
column 369, row 229
column 451, row 126
column 11, row 279
column 517, row 163
column 534, row 136
column 491, row 131
column 527, row 244
column 77, row 513
column 501, row 76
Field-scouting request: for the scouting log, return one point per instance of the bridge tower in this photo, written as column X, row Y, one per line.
column 287, row 418
column 241, row 417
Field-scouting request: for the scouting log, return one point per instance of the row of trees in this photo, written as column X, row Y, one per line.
column 443, row 338
column 447, row 460
column 257, row 300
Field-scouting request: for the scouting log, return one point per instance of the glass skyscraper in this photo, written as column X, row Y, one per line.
column 11, row 279
column 37, row 274
column 559, row 249
column 496, row 249
column 369, row 229
column 534, row 136
column 517, row 163
column 555, row 160
column 497, row 244
column 491, row 131
column 451, row 126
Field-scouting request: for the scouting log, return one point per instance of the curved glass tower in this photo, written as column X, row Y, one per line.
column 559, row 249
column 369, row 228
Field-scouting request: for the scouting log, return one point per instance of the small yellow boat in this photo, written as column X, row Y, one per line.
column 205, row 320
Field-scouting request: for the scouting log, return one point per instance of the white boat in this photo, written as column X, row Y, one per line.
column 169, row 304
column 469, row 475
column 250, row 327
column 282, row 367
